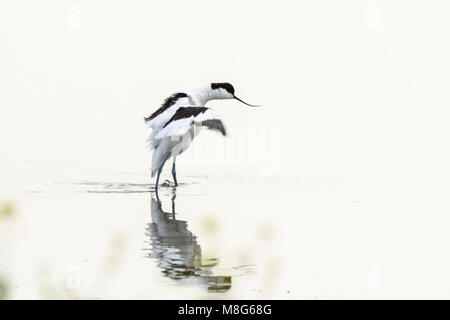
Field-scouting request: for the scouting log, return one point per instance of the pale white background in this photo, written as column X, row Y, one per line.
column 357, row 91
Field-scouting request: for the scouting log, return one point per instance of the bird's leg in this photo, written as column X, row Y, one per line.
column 174, row 173
column 157, row 179
column 159, row 173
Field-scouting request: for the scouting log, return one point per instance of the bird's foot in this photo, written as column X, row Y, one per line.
column 168, row 183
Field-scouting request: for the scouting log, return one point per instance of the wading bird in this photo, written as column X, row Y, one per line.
column 180, row 118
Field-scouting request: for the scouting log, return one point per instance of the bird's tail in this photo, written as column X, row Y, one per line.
column 161, row 153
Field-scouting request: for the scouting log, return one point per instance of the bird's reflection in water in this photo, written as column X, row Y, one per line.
column 177, row 251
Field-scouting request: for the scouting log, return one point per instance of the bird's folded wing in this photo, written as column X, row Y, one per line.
column 187, row 118
column 160, row 117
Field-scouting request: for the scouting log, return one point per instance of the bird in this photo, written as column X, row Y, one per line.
column 179, row 119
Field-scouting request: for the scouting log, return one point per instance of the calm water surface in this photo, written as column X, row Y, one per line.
column 88, row 230
column 109, row 235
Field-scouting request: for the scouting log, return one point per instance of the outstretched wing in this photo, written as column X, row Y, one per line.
column 215, row 124
column 185, row 118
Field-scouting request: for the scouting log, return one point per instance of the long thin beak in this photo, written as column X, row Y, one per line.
column 251, row 105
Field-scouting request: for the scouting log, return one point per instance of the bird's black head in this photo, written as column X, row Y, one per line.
column 223, row 85
column 226, row 91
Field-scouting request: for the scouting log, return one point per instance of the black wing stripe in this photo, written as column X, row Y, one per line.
column 170, row 101
column 215, row 124
column 183, row 113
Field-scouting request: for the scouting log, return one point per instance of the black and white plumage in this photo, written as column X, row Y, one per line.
column 180, row 118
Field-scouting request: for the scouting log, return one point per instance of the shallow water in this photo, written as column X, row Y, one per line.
column 75, row 230
column 112, row 236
